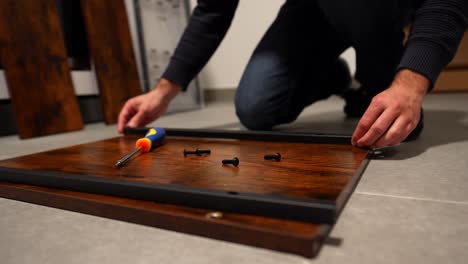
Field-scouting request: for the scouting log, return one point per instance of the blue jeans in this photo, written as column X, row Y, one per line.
column 296, row 64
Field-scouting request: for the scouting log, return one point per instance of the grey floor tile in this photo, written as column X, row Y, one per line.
column 376, row 229
column 433, row 167
column 214, row 115
column 14, row 146
column 444, row 101
column 372, row 229
column 50, row 235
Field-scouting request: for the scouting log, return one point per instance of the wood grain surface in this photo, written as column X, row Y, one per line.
column 111, row 48
column 34, row 58
column 319, row 171
column 306, row 171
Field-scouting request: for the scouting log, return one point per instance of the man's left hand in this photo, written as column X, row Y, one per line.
column 393, row 113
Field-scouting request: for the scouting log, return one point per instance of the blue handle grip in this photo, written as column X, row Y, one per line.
column 152, row 139
column 156, row 135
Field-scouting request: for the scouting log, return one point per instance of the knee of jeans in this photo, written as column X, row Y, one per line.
column 254, row 104
column 253, row 115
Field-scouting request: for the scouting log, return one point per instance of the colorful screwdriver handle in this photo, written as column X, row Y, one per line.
column 152, row 139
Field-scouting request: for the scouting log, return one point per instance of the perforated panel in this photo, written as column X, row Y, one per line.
column 160, row 25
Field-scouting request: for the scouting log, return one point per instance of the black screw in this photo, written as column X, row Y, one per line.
column 200, row 152
column 234, row 161
column 276, row 157
column 197, row 152
column 188, row 152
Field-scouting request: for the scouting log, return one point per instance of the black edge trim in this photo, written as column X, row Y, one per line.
column 351, row 186
column 291, row 137
column 314, row 211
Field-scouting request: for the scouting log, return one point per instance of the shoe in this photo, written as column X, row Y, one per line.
column 340, row 78
column 357, row 101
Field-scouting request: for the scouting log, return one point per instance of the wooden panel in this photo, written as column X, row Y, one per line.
column 455, row 77
column 112, row 54
column 461, row 57
column 307, row 171
column 277, row 234
column 320, row 171
column 35, row 62
column 452, row 81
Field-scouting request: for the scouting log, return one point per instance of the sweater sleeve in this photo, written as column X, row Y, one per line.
column 437, row 30
column 206, row 29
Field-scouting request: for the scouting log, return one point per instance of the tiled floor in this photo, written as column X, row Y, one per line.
column 410, row 207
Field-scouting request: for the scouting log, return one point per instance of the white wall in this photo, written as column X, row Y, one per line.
column 250, row 22
column 134, row 33
column 252, row 19
column 4, row 94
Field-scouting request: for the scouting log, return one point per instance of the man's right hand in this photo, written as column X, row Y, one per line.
column 143, row 109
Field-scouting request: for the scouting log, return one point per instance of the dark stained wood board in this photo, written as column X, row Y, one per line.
column 35, row 61
column 306, row 185
column 112, row 54
column 294, row 237
column 280, row 234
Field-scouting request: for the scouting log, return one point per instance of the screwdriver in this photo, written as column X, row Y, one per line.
column 152, row 139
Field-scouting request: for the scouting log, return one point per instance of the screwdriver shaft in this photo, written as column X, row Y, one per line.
column 126, row 158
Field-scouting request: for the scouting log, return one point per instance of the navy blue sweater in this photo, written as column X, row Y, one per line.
column 437, row 29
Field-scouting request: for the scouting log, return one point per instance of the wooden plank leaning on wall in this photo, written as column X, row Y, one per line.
column 35, row 61
column 110, row 44
column 455, row 77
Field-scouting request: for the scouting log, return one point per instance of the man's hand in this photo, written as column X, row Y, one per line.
column 143, row 109
column 393, row 113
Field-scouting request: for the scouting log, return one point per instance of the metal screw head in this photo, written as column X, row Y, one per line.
column 214, row 215
column 276, row 157
column 234, row 161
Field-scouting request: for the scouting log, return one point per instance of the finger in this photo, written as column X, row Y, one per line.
column 369, row 117
column 127, row 112
column 137, row 120
column 395, row 134
column 377, row 129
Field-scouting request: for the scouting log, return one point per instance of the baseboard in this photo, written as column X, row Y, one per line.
column 219, row 95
